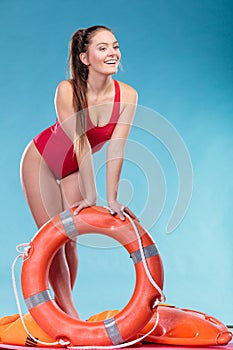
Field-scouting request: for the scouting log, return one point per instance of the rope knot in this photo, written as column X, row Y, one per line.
column 26, row 249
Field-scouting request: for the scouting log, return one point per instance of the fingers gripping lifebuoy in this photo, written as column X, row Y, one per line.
column 34, row 278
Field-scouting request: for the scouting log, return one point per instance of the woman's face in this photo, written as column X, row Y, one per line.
column 103, row 54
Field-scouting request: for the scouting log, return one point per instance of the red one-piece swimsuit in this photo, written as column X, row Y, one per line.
column 57, row 149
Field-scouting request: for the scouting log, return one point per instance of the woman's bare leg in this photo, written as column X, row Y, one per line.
column 40, row 187
column 71, row 194
column 44, row 198
column 60, row 280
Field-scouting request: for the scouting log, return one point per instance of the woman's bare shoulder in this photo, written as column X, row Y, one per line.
column 65, row 87
column 128, row 93
column 64, row 94
column 64, row 102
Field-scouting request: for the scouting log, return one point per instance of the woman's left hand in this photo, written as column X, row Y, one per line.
column 119, row 209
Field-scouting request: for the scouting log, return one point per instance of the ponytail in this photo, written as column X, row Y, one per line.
column 78, row 76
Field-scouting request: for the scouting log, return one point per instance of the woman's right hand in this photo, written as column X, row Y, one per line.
column 84, row 203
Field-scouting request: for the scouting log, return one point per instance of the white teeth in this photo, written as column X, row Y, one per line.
column 110, row 62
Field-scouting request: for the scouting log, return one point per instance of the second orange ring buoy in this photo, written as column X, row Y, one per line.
column 59, row 325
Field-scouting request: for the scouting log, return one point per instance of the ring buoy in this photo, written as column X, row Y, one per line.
column 184, row 327
column 35, row 269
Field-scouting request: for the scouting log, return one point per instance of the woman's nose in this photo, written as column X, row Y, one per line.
column 111, row 51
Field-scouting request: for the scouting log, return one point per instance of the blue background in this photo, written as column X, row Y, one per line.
column 178, row 55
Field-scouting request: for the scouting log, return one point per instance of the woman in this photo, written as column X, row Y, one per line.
column 56, row 168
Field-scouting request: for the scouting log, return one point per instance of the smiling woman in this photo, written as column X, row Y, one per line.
column 103, row 50
column 57, row 168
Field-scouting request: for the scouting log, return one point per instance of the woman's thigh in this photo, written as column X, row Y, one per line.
column 40, row 186
column 70, row 190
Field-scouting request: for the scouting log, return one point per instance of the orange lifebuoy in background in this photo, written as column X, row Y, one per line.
column 34, row 278
column 183, row 327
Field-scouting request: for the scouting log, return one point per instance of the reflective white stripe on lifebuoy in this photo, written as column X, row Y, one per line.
column 37, row 299
column 69, row 224
column 149, row 251
column 113, row 331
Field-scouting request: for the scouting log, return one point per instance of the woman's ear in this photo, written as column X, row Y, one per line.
column 83, row 58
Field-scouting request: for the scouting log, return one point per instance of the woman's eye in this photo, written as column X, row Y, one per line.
column 102, row 48
column 116, row 47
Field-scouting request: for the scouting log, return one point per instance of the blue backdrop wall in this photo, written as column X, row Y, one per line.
column 178, row 55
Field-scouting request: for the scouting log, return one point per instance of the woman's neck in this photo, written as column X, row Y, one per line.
column 98, row 86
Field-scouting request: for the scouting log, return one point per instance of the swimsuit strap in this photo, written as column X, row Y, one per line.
column 116, row 107
column 117, row 91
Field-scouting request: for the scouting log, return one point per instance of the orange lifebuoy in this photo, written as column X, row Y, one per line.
column 34, row 278
column 183, row 327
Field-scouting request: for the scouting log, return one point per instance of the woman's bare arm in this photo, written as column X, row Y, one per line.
column 115, row 151
column 67, row 117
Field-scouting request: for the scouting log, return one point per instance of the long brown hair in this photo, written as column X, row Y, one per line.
column 79, row 43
